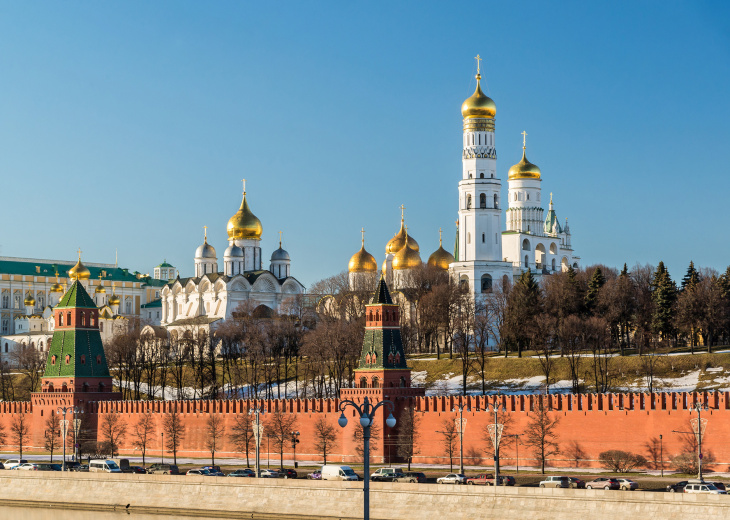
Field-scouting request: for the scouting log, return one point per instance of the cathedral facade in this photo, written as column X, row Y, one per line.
column 216, row 291
column 486, row 251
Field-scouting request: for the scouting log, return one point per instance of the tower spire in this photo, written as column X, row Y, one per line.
column 362, row 231
column 440, row 242
column 280, row 232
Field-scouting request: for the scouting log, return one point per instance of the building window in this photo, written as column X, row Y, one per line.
column 481, row 175
column 98, row 360
column 483, row 201
column 83, row 359
column 468, row 202
column 6, row 301
column 468, row 238
column 5, row 329
column 68, row 359
column 486, row 283
column 496, row 202
column 483, row 238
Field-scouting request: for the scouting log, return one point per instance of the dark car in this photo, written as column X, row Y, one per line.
column 678, row 487
column 72, row 465
column 719, row 485
column 603, row 483
column 506, row 480
column 216, row 471
column 420, row 477
column 287, row 473
column 165, row 469
column 137, row 469
column 56, row 467
column 247, row 472
column 577, row 483
column 315, row 475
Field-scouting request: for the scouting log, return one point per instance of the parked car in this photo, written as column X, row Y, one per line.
column 483, row 479
column 27, row 466
column 603, row 483
column 56, row 467
column 104, row 466
column 2, row 466
column 699, row 486
column 71, row 465
column 269, row 473
column 45, row 467
column 215, row 471
column 200, row 472
column 287, row 473
column 577, row 483
column 315, row 475
column 11, row 463
column 83, row 467
column 677, row 487
column 337, row 472
column 137, row 469
column 452, row 478
column 384, row 472
column 247, row 472
column 719, row 485
column 420, row 477
column 165, row 469
column 626, row 484
column 556, row 482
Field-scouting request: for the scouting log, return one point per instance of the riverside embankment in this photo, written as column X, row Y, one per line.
column 162, row 495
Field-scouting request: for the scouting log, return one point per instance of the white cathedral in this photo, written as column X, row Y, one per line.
column 214, row 294
column 484, row 252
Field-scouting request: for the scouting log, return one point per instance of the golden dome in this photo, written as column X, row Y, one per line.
column 406, row 258
column 478, row 104
column 29, row 301
column 362, row 261
column 244, row 224
column 114, row 300
column 441, row 258
column 79, row 272
column 99, row 289
column 396, row 243
column 523, row 169
column 57, row 287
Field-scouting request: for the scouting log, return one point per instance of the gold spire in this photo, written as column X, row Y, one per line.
column 114, row 299
column 478, row 105
column 441, row 258
column 280, row 232
column 362, row 261
column 79, row 271
column 205, row 234
column 524, row 169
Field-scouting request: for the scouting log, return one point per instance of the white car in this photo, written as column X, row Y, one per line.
column 703, row 487
column 269, row 473
column 627, row 484
column 11, row 463
column 452, row 478
column 28, row 466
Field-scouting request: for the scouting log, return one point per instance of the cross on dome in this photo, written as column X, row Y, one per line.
column 479, row 59
column 244, row 186
column 402, row 212
column 524, row 139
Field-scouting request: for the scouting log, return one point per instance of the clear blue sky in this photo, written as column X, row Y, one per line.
column 129, row 124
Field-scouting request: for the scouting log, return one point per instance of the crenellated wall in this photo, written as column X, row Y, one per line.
column 596, row 422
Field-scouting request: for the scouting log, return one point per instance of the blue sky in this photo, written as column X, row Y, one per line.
column 128, row 125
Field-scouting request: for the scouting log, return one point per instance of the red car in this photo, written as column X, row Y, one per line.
column 603, row 483
column 483, row 479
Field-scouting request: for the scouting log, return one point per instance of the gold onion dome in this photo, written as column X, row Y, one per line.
column 114, row 300
column 29, row 301
column 99, row 289
column 441, row 258
column 478, row 104
column 524, row 169
column 244, row 224
column 79, row 272
column 362, row 262
column 406, row 258
column 396, row 243
column 57, row 288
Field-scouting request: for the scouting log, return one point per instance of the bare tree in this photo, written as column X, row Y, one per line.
column 325, row 438
column 215, row 431
column 408, row 434
column 654, row 452
column 621, row 461
column 576, row 453
column 113, row 430
column 52, row 433
column 242, row 435
column 30, row 363
column 449, row 436
column 540, row 434
column 542, row 341
column 570, row 333
column 279, row 428
column 20, row 431
column 357, row 437
column 143, row 432
column 174, row 430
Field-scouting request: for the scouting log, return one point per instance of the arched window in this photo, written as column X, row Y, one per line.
column 83, row 319
column 53, row 359
column 527, row 261
column 60, row 319
column 528, row 196
column 101, row 387
column 483, row 201
column 85, row 387
column 68, row 359
column 68, row 318
column 464, row 281
column 496, row 205
column 481, row 175
column 64, row 388
column 525, row 245
column 98, row 359
column 363, row 382
column 6, row 348
column 83, row 359
column 468, row 202
column 402, row 382
column 376, row 382
column 515, row 196
column 553, row 268
column 486, row 283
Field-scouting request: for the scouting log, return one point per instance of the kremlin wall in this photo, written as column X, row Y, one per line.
column 77, row 375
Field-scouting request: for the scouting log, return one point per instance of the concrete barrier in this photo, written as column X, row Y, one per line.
column 281, row 499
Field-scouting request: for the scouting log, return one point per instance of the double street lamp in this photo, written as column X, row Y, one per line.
column 698, row 429
column 495, row 433
column 258, row 428
column 462, row 424
column 64, row 428
column 294, row 442
column 366, row 411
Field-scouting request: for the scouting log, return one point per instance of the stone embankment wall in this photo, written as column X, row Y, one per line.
column 592, row 422
column 343, row 500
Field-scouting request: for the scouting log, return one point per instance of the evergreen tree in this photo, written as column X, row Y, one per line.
column 692, row 277
column 595, row 284
column 664, row 296
column 523, row 306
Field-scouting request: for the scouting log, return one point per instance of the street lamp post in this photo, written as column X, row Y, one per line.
column 162, row 446
column 698, row 429
column 495, row 431
column 294, row 442
column 367, row 416
column 661, row 453
column 77, row 427
column 64, row 427
column 256, row 412
column 517, row 449
column 461, row 407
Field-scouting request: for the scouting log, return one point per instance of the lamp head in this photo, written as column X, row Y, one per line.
column 342, row 421
column 390, row 421
column 365, row 421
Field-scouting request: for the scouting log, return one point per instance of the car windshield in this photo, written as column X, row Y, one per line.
column 711, row 487
column 112, row 465
column 349, row 472
column 460, row 475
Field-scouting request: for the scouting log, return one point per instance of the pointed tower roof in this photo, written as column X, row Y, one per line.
column 382, row 294
column 76, row 297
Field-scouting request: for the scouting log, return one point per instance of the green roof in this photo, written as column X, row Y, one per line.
column 49, row 268
column 381, row 295
column 76, row 297
column 75, row 343
column 387, row 346
column 153, row 303
column 165, row 264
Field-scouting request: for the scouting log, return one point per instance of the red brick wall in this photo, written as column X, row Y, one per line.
column 597, row 422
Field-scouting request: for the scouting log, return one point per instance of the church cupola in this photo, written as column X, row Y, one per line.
column 233, row 260
column 441, row 258
column 29, row 304
column 362, row 268
column 206, row 261
column 245, row 230
column 525, row 213
column 280, row 262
